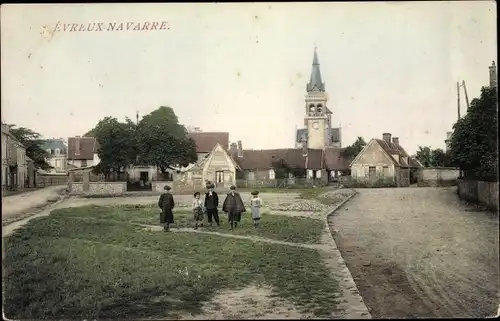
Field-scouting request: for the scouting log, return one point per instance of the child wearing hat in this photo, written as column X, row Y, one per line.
column 255, row 204
column 166, row 203
column 233, row 206
column 197, row 210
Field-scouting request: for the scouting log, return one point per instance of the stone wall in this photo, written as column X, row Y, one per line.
column 484, row 193
column 439, row 176
column 98, row 188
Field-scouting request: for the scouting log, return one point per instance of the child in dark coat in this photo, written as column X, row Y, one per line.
column 211, row 204
column 233, row 206
column 166, row 203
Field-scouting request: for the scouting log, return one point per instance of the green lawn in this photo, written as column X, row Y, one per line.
column 65, row 266
column 283, row 228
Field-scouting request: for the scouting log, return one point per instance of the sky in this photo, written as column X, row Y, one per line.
column 243, row 68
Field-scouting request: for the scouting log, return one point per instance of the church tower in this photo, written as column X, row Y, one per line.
column 318, row 118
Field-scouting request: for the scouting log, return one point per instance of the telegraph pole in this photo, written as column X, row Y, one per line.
column 458, row 99
column 466, row 96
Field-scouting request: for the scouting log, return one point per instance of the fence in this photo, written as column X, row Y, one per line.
column 49, row 180
column 442, row 176
column 281, row 183
column 484, row 193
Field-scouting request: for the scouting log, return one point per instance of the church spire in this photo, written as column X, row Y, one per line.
column 315, row 82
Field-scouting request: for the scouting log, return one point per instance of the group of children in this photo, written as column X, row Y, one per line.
column 233, row 206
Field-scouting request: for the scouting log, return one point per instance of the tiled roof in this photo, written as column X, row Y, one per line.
column 206, row 141
column 335, row 159
column 396, row 149
column 54, row 144
column 88, row 146
column 293, row 157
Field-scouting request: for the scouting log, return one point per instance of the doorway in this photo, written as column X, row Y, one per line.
column 372, row 173
column 219, row 178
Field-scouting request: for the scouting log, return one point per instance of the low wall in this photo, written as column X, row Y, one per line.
column 484, row 193
column 438, row 176
column 98, row 188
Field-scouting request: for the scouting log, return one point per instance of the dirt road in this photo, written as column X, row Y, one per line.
column 21, row 203
column 420, row 252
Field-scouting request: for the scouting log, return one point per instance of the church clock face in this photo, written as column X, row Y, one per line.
column 315, row 125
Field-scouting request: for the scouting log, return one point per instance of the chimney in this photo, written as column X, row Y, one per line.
column 233, row 150
column 240, row 149
column 493, row 75
column 77, row 145
column 395, row 140
column 386, row 137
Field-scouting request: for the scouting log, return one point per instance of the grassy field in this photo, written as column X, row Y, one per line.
column 282, row 228
column 65, row 266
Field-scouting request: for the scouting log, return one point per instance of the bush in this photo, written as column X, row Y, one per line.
column 379, row 183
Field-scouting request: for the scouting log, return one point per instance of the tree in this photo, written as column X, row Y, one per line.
column 32, row 141
column 473, row 145
column 163, row 142
column 281, row 169
column 354, row 149
column 439, row 158
column 432, row 157
column 424, row 156
column 117, row 144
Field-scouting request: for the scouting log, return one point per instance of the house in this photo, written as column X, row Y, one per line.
column 82, row 152
column 218, row 167
column 264, row 164
column 57, row 154
column 383, row 159
column 14, row 161
column 206, row 141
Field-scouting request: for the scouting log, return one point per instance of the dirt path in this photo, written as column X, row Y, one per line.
column 420, row 252
column 21, row 205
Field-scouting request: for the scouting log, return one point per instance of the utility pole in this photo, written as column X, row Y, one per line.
column 458, row 99
column 466, row 97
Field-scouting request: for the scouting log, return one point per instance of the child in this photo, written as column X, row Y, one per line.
column 197, row 210
column 166, row 203
column 256, row 204
column 233, row 206
column 211, row 204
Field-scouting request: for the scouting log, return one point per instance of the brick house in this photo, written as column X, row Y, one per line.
column 383, row 159
column 82, row 152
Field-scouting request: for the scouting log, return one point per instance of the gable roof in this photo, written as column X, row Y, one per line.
column 335, row 159
column 264, row 158
column 206, row 141
column 88, row 146
column 228, row 154
column 391, row 149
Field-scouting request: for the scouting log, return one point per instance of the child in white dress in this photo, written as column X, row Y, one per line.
column 255, row 204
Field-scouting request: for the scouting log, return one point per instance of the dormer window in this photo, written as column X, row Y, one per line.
column 57, row 151
column 49, row 151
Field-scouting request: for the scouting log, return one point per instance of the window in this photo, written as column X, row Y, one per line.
column 271, row 174
column 84, row 163
column 57, row 151
column 309, row 173
column 386, row 170
column 49, row 151
column 318, row 174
